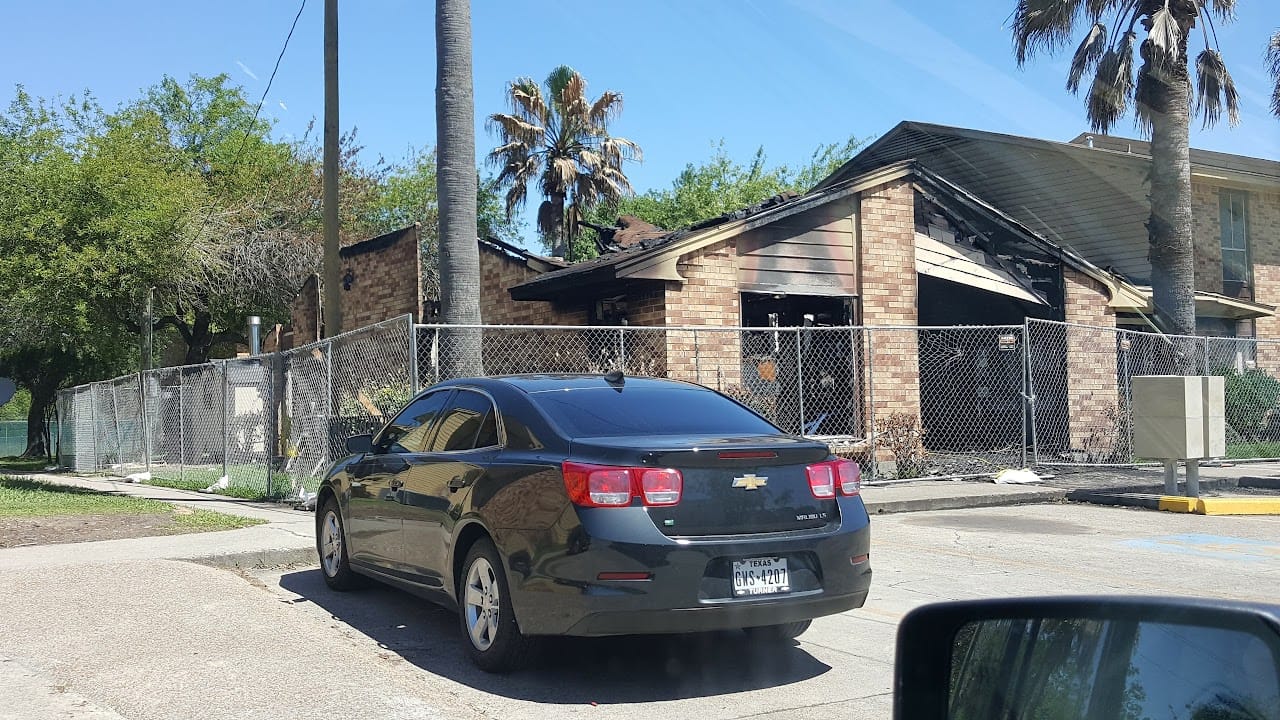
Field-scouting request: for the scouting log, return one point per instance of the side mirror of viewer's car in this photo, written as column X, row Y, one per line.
column 1088, row 658
column 357, row 444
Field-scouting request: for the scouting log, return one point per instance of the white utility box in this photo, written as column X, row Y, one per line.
column 1179, row 418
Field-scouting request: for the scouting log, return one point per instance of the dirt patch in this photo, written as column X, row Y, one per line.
column 54, row 529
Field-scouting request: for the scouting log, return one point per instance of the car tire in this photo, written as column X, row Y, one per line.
column 331, row 545
column 484, row 606
column 778, row 633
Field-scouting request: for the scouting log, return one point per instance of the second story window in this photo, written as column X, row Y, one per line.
column 1233, row 213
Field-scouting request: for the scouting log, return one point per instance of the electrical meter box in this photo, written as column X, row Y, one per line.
column 1178, row 417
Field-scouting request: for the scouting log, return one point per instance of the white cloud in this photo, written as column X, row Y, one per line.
column 246, row 70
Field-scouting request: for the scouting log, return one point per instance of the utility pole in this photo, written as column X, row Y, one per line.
column 332, row 298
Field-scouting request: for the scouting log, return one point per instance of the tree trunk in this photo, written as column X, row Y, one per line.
column 456, row 178
column 37, row 427
column 1171, row 251
column 201, row 339
column 564, row 248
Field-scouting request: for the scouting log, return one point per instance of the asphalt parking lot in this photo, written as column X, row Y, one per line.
column 171, row 639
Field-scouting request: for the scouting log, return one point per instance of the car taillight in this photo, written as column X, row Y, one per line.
column 825, row 477
column 661, row 487
column 607, row 486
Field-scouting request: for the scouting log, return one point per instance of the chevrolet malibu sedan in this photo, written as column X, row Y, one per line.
column 590, row 505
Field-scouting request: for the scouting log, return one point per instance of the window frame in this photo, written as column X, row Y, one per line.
column 1226, row 201
column 497, row 424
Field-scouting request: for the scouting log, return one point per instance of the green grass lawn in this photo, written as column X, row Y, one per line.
column 22, row 497
column 248, row 482
column 17, row 463
column 1253, row 450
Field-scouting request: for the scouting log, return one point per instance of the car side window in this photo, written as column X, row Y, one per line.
column 411, row 429
column 467, row 424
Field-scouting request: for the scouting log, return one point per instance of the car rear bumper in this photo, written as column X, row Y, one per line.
column 689, row 589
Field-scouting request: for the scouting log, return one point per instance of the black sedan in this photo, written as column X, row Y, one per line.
column 596, row 505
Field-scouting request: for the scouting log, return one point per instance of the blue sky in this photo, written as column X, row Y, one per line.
column 785, row 74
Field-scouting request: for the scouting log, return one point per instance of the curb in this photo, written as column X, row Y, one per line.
column 1256, row 481
column 1186, row 505
column 962, row 502
column 253, row 559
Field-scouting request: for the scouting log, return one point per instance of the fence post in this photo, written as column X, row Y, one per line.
column 1204, row 348
column 182, row 428
column 435, row 355
column 267, row 367
column 93, row 422
column 1029, row 396
column 328, row 397
column 1125, row 345
column 697, row 361
column 800, row 375
column 413, row 356
column 115, row 420
column 226, row 424
column 1024, row 394
column 622, row 350
column 871, row 402
column 143, row 417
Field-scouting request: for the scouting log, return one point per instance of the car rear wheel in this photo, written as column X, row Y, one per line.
column 778, row 633
column 331, row 543
column 493, row 636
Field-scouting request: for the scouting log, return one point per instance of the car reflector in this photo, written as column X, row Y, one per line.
column 624, row 576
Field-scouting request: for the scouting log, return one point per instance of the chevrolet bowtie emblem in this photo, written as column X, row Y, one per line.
column 750, row 481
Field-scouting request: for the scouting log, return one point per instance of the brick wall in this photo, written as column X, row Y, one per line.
column 889, row 296
column 305, row 314
column 708, row 297
column 387, row 279
column 1092, row 388
column 1264, row 245
column 499, row 272
column 1206, row 228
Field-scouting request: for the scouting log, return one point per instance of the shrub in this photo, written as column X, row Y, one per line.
column 1251, row 396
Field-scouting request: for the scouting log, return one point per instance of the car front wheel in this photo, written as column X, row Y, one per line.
column 493, row 636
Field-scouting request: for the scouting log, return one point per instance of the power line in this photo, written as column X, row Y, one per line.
column 258, row 110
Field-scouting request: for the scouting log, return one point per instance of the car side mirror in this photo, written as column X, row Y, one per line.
column 1089, row 657
column 357, row 444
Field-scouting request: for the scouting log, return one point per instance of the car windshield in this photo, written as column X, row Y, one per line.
column 606, row 412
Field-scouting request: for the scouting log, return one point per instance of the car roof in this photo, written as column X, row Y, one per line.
column 536, row 383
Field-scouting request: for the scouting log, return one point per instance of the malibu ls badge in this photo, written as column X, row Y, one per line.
column 750, row 481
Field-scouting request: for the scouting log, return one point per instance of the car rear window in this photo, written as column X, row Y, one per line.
column 608, row 412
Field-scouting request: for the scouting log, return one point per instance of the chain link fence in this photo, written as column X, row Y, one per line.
column 1081, row 382
column 906, row 402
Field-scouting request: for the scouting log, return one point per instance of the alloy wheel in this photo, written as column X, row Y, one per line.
column 481, row 604
column 331, row 544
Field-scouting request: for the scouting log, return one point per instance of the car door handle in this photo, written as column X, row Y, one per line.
column 456, row 484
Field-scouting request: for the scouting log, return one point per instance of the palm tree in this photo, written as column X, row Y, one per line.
column 456, row 184
column 1162, row 99
column 1273, row 61
column 558, row 137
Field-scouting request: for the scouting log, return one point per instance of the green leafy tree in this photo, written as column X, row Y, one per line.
column 722, row 185
column 557, row 137
column 1163, row 98
column 90, row 216
column 17, row 407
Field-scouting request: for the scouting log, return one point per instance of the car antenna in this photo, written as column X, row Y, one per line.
column 614, row 377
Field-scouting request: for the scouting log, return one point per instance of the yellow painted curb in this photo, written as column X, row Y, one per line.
column 1239, row 506
column 1174, row 503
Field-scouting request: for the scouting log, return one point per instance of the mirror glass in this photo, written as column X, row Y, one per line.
column 1076, row 669
column 359, row 444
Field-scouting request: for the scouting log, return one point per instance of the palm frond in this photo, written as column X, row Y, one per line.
column 1095, row 9
column 555, row 82
column 1214, row 89
column 574, row 109
column 1087, row 55
column 1273, row 64
column 1112, row 85
column 549, row 218
column 560, row 175
column 1164, row 38
column 527, row 101
column 607, row 107
column 1042, row 25
column 512, row 129
column 1224, row 9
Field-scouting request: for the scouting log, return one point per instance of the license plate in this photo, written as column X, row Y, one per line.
column 760, row 576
